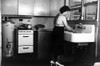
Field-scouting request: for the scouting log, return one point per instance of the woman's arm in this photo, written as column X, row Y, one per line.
column 66, row 25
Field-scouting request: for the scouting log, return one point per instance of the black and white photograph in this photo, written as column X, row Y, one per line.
column 49, row 32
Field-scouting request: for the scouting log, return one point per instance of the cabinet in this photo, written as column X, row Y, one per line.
column 91, row 10
column 25, row 7
column 17, row 7
column 31, row 7
column 47, row 7
column 41, row 7
column 44, row 43
column 85, row 9
column 76, row 9
column 9, row 7
column 55, row 5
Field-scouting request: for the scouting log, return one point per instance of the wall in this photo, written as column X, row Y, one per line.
column 0, row 35
column 48, row 22
column 98, row 33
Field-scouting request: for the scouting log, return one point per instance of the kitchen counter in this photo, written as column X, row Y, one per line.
column 44, row 30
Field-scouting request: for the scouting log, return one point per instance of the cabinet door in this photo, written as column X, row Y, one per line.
column 90, row 12
column 9, row 7
column 41, row 8
column 25, row 7
column 76, row 7
column 55, row 5
column 44, row 43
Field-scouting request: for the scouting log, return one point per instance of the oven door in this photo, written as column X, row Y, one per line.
column 25, row 40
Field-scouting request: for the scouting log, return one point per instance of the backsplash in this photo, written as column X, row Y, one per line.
column 47, row 22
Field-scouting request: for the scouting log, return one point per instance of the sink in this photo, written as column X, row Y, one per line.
column 86, row 35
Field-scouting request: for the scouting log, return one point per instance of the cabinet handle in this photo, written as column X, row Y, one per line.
column 25, row 47
column 25, row 36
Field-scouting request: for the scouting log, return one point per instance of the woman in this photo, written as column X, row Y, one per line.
column 60, row 24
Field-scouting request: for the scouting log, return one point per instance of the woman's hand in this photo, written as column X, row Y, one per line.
column 74, row 31
column 71, row 30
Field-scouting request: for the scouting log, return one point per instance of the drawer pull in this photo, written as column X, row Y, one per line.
column 25, row 47
column 25, row 36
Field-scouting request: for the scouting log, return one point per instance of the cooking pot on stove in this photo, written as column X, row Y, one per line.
column 26, row 26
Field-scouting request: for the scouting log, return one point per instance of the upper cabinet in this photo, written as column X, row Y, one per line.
column 47, row 7
column 17, row 7
column 75, row 5
column 31, row 7
column 25, row 7
column 9, row 7
column 83, row 9
column 41, row 8
column 55, row 5
column 90, row 9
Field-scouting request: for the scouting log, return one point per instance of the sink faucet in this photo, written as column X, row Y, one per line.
column 80, row 26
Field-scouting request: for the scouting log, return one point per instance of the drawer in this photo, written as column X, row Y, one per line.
column 25, row 49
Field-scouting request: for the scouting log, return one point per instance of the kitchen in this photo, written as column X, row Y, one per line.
column 36, row 17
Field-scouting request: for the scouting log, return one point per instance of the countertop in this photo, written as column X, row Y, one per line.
column 45, row 30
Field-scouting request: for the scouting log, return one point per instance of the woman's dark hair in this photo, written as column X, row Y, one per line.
column 64, row 9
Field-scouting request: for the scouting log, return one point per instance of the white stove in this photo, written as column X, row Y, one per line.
column 25, row 41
